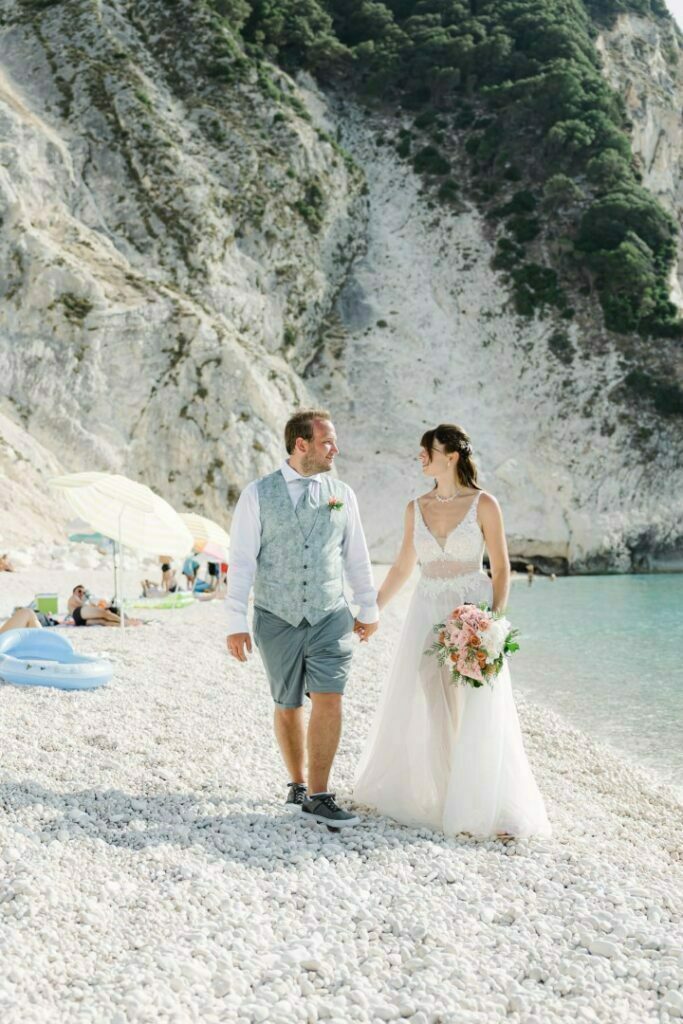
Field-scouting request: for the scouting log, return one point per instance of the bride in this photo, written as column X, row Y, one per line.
column 440, row 754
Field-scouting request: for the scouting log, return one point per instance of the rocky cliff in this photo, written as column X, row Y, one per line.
column 187, row 252
column 171, row 237
column 643, row 64
column 425, row 334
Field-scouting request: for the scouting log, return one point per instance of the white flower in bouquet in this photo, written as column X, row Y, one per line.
column 495, row 637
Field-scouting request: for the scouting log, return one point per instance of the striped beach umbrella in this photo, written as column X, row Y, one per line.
column 205, row 531
column 214, row 552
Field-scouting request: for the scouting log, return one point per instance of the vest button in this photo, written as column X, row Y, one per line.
column 303, row 599
column 305, row 567
column 305, row 581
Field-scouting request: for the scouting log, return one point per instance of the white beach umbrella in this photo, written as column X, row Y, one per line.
column 205, row 531
column 127, row 512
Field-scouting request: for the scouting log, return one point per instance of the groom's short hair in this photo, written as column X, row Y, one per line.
column 301, row 425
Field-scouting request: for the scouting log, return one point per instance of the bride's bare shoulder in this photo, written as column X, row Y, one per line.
column 488, row 503
column 410, row 513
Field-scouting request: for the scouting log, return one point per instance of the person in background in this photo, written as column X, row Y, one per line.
column 21, row 618
column 85, row 613
column 530, row 570
column 5, row 564
column 189, row 570
column 213, row 569
column 79, row 597
column 169, row 582
column 168, row 585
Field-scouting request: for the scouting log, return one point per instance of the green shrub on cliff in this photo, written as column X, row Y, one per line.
column 522, row 80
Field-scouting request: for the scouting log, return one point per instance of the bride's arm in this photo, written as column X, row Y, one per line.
column 491, row 519
column 404, row 564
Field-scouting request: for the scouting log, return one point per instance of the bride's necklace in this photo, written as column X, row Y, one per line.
column 458, row 494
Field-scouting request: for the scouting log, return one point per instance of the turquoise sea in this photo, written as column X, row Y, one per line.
column 606, row 652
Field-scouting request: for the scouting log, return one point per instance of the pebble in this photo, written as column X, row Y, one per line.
column 672, row 1002
column 602, row 947
column 313, row 965
column 385, row 1012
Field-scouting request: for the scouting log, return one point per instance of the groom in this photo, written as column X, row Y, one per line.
column 294, row 534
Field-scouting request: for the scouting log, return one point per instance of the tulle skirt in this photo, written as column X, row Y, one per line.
column 444, row 755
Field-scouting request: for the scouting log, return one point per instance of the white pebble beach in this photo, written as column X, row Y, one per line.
column 149, row 873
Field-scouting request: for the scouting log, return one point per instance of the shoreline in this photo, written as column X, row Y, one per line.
column 70, row 556
column 149, row 871
column 100, row 580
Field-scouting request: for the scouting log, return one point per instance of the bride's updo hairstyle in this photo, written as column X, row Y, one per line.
column 453, row 438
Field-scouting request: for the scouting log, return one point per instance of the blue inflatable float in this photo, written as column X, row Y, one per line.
column 39, row 657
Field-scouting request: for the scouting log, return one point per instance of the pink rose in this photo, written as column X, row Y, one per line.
column 473, row 616
column 469, row 667
column 461, row 638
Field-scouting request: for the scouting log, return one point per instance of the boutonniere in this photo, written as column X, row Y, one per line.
column 334, row 504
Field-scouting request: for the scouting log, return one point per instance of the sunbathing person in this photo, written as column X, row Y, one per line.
column 85, row 613
column 152, row 589
column 168, row 585
column 168, row 578
column 21, row 618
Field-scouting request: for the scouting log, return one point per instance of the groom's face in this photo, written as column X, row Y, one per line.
column 321, row 450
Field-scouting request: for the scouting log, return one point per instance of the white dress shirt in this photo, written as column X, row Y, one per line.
column 245, row 544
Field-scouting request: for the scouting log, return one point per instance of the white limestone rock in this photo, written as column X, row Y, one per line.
column 157, row 273
column 425, row 334
column 185, row 258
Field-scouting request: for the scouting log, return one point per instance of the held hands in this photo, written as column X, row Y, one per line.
column 239, row 645
column 364, row 630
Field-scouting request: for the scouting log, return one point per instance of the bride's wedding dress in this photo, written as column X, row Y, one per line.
column 439, row 754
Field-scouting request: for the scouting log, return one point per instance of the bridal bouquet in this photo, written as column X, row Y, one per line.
column 474, row 642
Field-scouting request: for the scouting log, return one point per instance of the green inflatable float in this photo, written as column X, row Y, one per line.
column 182, row 599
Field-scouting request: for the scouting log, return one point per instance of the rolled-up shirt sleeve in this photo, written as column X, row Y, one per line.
column 245, row 544
column 357, row 565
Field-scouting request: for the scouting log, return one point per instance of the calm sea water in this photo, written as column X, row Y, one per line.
column 606, row 652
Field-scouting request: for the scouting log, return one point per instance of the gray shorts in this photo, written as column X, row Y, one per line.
column 304, row 659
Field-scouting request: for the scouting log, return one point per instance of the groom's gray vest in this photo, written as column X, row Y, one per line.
column 299, row 569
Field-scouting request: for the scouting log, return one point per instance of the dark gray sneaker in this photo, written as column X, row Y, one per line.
column 322, row 807
column 296, row 796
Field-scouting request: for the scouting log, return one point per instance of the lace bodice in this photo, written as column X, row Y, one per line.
column 460, row 555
